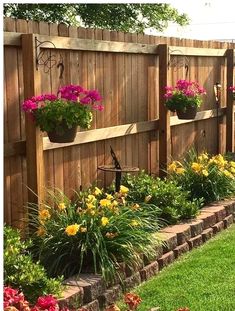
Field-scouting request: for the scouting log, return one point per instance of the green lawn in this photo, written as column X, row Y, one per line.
column 203, row 279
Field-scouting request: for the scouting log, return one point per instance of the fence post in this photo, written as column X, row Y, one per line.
column 230, row 110
column 34, row 139
column 164, row 114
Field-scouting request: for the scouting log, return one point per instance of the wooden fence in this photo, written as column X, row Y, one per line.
column 130, row 71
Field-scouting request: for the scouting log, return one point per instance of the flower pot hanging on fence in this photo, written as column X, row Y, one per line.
column 188, row 113
column 59, row 115
column 63, row 134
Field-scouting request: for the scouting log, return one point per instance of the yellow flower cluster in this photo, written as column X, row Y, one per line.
column 203, row 165
column 225, row 166
column 123, row 190
column 104, row 221
column 41, row 231
column 218, row 160
column 135, row 223
column 72, row 230
column 199, row 169
column 176, row 167
column 98, row 204
column 43, row 215
column 62, row 206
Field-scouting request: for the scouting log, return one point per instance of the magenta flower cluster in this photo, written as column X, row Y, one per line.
column 71, row 93
column 15, row 299
column 232, row 88
column 186, row 88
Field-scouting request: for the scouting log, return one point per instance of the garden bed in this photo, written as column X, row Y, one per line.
column 90, row 291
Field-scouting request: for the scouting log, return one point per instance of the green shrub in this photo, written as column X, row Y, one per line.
column 97, row 231
column 21, row 272
column 170, row 198
column 211, row 178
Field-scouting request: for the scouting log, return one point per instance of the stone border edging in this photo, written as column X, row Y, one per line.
column 90, row 291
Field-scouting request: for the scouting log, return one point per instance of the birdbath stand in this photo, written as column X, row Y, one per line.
column 117, row 169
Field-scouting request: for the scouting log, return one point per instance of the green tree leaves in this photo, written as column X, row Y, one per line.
column 127, row 17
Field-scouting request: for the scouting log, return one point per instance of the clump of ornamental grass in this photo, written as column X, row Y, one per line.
column 208, row 177
column 97, row 231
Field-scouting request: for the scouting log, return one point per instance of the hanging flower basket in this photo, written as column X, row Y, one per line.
column 184, row 98
column 187, row 113
column 63, row 134
column 60, row 115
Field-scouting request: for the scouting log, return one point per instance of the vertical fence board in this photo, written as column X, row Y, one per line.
column 13, row 173
column 129, row 75
column 164, row 114
column 100, row 117
column 230, row 106
column 34, row 145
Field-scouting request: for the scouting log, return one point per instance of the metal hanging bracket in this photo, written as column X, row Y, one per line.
column 46, row 58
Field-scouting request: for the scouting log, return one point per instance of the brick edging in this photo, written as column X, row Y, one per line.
column 91, row 292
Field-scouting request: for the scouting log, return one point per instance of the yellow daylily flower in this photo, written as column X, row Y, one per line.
column 180, row 170
column 72, row 229
column 105, row 203
column 123, row 189
column 196, row 167
column 228, row 174
column 44, row 215
column 232, row 163
column 91, row 212
column 61, row 206
column 91, row 198
column 97, row 191
column 232, row 170
column 134, row 223
column 41, row 231
column 172, row 167
column 109, row 196
column 205, row 173
column 114, row 203
column 104, row 221
column 203, row 157
column 90, row 205
column 135, row 206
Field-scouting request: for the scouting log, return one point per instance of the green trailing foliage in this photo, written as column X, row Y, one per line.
column 21, row 272
column 165, row 195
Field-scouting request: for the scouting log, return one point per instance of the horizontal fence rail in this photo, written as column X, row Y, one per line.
column 19, row 148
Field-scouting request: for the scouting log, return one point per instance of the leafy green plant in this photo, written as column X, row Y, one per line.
column 165, row 194
column 94, row 233
column 21, row 272
column 211, row 178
